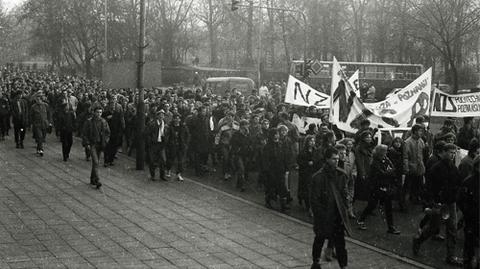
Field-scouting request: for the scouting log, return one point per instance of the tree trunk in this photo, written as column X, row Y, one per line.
column 249, row 44
column 211, row 34
column 271, row 45
column 454, row 75
column 88, row 67
column 403, row 34
column 213, row 46
column 477, row 54
column 285, row 42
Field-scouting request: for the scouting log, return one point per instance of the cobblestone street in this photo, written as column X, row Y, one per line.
column 52, row 218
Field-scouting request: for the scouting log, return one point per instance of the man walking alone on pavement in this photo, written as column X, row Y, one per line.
column 41, row 119
column 328, row 199
column 96, row 134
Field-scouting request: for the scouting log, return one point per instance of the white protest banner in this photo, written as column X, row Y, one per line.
column 302, row 123
column 348, row 110
column 354, row 81
column 336, row 78
column 408, row 103
column 460, row 105
column 300, row 94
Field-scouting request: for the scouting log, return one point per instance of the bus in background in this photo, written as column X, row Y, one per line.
column 384, row 77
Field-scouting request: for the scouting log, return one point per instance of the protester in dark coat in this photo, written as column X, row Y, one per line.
column 466, row 133
column 66, row 123
column 395, row 154
column 328, row 198
column 466, row 165
column 96, row 134
column 443, row 182
column 468, row 201
column 116, row 121
column 200, row 139
column 177, row 141
column 20, row 117
column 382, row 185
column 277, row 163
column 41, row 121
column 260, row 141
column 363, row 157
column 4, row 116
column 308, row 163
column 156, row 141
column 289, row 147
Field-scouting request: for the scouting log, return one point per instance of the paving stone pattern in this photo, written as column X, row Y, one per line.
column 50, row 217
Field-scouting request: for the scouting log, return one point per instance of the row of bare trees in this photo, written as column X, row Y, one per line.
column 406, row 31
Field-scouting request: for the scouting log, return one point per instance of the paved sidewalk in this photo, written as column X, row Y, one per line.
column 50, row 217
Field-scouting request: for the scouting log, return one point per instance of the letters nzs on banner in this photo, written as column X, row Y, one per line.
column 301, row 94
column 461, row 105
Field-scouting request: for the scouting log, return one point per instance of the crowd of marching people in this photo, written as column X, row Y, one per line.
column 244, row 135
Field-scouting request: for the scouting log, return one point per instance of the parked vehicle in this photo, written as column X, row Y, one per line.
column 218, row 85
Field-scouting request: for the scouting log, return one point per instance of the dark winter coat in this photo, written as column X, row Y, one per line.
column 443, row 181
column 200, row 133
column 396, row 157
column 241, row 144
column 20, row 113
column 468, row 201
column 363, row 158
column 40, row 116
column 327, row 210
column 304, row 169
column 96, row 132
column 177, row 138
column 382, row 177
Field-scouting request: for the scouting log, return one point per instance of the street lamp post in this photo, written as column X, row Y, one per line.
column 140, row 147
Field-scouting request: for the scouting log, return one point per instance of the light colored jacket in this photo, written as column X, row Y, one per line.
column 413, row 157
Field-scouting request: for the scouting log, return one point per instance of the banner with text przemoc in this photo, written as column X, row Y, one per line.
column 300, row 94
column 460, row 105
column 399, row 110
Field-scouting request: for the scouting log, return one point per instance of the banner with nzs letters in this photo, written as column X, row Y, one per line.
column 301, row 94
column 460, row 105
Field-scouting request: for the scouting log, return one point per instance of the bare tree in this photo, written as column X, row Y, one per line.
column 167, row 18
column 212, row 15
column 358, row 9
column 443, row 25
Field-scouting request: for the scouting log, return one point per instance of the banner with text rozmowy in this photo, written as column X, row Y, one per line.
column 460, row 105
column 347, row 110
column 408, row 103
column 300, row 94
